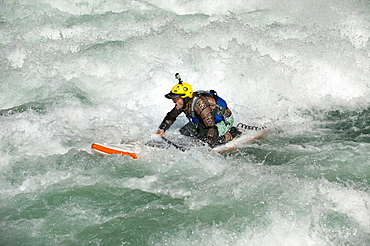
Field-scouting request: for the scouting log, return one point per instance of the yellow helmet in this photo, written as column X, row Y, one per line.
column 180, row 90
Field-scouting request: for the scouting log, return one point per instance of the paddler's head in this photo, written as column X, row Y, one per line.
column 180, row 93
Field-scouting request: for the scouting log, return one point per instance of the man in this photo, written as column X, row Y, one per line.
column 210, row 118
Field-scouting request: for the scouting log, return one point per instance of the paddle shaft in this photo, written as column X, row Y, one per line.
column 173, row 144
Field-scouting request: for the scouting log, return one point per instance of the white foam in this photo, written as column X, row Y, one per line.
column 100, row 70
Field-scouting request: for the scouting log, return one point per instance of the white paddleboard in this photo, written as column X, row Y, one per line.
column 244, row 140
column 135, row 150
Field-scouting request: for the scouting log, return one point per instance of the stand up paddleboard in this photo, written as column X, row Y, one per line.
column 244, row 140
column 135, row 150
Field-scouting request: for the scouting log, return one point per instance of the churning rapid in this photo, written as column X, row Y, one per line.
column 75, row 72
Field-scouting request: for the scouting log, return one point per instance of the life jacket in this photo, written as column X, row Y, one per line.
column 218, row 112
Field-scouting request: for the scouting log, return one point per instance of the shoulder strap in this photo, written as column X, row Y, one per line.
column 196, row 97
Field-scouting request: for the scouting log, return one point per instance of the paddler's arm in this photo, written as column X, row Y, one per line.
column 211, row 136
column 168, row 121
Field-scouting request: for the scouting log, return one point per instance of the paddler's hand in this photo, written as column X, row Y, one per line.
column 160, row 132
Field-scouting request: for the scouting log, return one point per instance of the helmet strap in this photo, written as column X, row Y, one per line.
column 186, row 100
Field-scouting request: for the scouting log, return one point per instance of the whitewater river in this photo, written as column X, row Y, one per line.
column 74, row 72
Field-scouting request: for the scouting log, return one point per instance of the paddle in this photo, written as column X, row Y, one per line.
column 173, row 144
